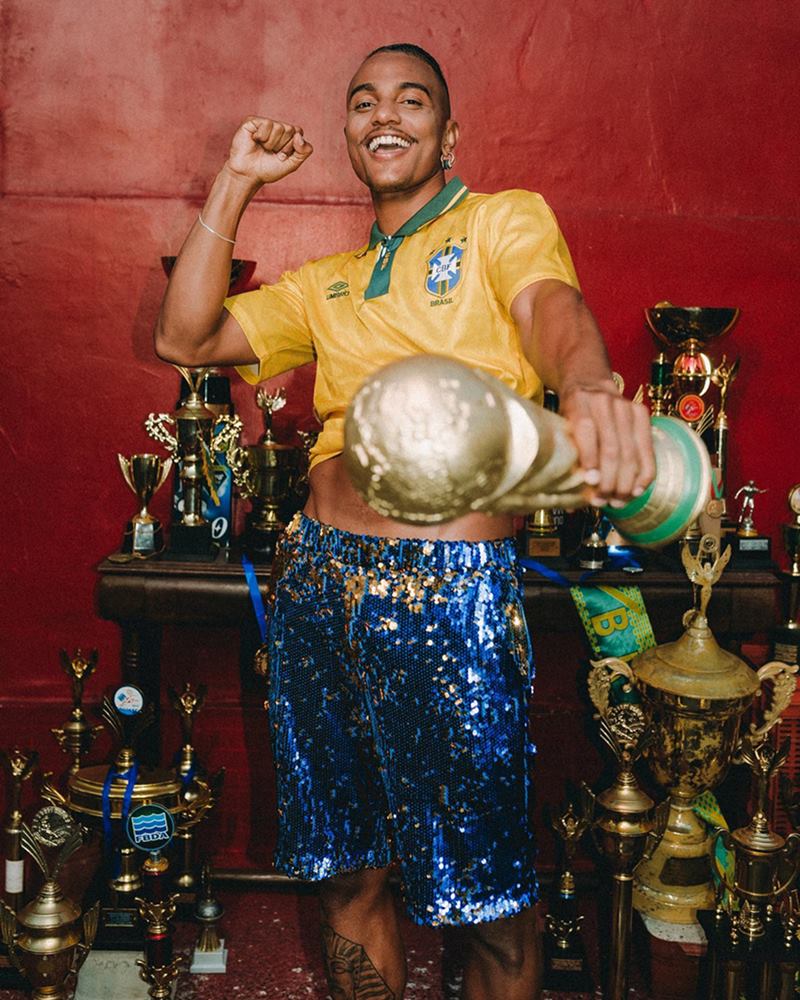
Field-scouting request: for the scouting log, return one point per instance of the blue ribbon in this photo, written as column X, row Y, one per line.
column 255, row 596
column 131, row 774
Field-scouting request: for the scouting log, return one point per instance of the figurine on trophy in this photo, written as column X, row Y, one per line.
column 722, row 377
column 77, row 734
column 143, row 537
column 750, row 547
column 198, row 436
column 265, row 474
column 48, row 940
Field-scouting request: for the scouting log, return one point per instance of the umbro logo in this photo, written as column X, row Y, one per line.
column 337, row 290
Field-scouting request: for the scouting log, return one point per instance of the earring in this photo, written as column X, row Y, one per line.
column 447, row 161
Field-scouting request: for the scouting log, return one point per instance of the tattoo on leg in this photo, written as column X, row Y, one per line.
column 351, row 975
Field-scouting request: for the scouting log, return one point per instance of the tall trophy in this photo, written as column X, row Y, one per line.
column 683, row 390
column 197, row 437
column 145, row 474
column 765, row 866
column 48, row 939
column 19, row 765
column 786, row 637
column 265, row 474
column 694, row 695
column 77, row 734
column 565, row 963
column 626, row 825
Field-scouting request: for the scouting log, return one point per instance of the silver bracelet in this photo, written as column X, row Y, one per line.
column 205, row 225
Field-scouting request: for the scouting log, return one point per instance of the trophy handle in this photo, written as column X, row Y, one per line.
column 91, row 918
column 237, row 459
column 660, row 819
column 599, row 681
column 784, row 685
column 166, row 465
column 49, row 790
column 125, row 467
column 225, row 435
column 791, row 853
column 155, row 425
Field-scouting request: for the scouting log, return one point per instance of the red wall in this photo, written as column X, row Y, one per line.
column 661, row 133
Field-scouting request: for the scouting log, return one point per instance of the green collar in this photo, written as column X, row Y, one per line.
column 452, row 194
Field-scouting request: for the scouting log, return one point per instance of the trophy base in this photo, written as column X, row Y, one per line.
column 754, row 552
column 786, row 643
column 190, row 542
column 143, row 539
column 566, row 969
column 10, row 977
column 119, row 929
column 260, row 541
column 542, row 546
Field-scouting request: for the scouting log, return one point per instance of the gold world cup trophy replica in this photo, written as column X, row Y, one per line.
column 48, row 940
column 679, row 385
column 265, row 473
column 428, row 439
column 198, row 436
column 694, row 695
column 786, row 637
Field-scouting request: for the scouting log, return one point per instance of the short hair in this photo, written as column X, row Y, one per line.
column 409, row 49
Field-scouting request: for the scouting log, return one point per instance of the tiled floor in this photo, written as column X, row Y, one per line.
column 274, row 953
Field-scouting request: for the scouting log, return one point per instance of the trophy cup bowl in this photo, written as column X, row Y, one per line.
column 677, row 326
column 265, row 474
column 145, row 474
column 241, row 271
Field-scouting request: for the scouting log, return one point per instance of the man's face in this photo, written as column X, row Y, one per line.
column 396, row 127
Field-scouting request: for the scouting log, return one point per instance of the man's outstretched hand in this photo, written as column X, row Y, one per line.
column 613, row 438
column 264, row 150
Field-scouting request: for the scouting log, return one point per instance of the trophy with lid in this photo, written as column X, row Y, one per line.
column 194, row 434
column 694, row 695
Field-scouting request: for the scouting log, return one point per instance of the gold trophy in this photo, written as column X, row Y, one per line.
column 19, row 765
column 77, row 735
column 786, row 637
column 626, row 825
column 565, row 963
column 765, row 866
column 750, row 546
column 48, row 940
column 199, row 435
column 145, row 474
column 210, row 953
column 694, row 694
column 265, row 474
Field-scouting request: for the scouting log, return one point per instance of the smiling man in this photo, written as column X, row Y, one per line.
column 399, row 661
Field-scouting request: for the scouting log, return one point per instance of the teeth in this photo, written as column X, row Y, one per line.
column 389, row 141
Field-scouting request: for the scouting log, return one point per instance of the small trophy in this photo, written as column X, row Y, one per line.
column 48, row 940
column 659, row 388
column 542, row 535
column 265, row 473
column 750, row 547
column 565, row 964
column 194, row 444
column 77, row 735
column 786, row 637
column 210, row 953
column 145, row 474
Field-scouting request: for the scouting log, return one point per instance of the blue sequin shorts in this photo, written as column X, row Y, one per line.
column 399, row 682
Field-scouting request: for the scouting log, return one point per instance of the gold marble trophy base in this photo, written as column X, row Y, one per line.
column 676, row 881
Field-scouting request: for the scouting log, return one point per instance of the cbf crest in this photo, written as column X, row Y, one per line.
column 444, row 270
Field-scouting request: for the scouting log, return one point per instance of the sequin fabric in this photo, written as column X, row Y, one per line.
column 399, row 682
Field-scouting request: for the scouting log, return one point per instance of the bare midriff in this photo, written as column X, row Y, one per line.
column 333, row 500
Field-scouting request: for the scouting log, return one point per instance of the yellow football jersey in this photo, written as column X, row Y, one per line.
column 445, row 288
